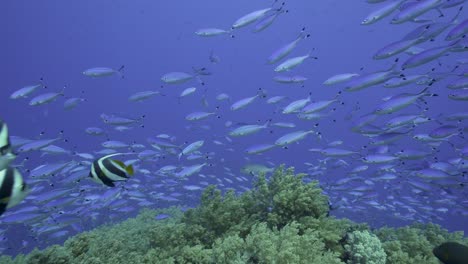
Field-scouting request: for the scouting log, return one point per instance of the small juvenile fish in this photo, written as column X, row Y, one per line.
column 117, row 120
column 222, row 97
column 37, row 144
column 94, row 131
column 190, row 170
column 400, row 101
column 72, row 103
column 257, row 149
column 141, row 96
column 113, row 144
column 292, row 63
column 264, row 23
column 275, row 99
column 45, row 98
column 247, row 130
column 292, row 137
column 414, row 10
column 242, row 103
column 371, row 79
column 187, row 91
column 318, row 105
column 427, row 56
column 286, row 49
column 296, row 106
column 196, row 116
column 339, row 78
column 459, row 95
column 210, row 32
column 191, row 148
column 103, row 71
column 394, row 48
column 382, row 12
column 176, row 77
column 250, row 18
column 458, row 31
column 25, row 91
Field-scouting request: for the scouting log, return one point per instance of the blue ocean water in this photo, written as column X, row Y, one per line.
column 58, row 40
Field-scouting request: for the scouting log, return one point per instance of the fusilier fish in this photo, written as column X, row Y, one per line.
column 247, row 130
column 257, row 149
column 414, row 10
column 401, row 101
column 25, row 91
column 190, row 170
column 191, row 148
column 286, row 49
column 73, row 102
column 103, row 71
column 296, row 106
column 250, row 18
column 339, row 78
column 210, row 32
column 370, row 79
column 196, row 116
column 292, row 63
column 292, row 137
column 242, row 103
column 382, row 12
column 141, row 96
column 427, row 56
column 458, row 31
column 46, row 98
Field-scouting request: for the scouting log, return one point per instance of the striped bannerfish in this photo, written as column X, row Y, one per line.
column 107, row 171
column 5, row 146
column 13, row 189
column 6, row 154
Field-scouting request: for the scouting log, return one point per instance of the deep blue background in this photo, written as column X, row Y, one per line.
column 58, row 40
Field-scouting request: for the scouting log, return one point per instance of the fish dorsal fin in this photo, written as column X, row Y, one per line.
column 129, row 169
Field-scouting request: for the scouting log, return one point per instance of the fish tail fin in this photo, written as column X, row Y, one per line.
column 130, row 170
column 62, row 92
column 120, row 71
column 338, row 94
column 262, row 93
column 454, row 20
column 394, row 65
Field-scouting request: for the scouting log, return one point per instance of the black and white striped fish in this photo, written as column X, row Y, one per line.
column 5, row 145
column 6, row 154
column 107, row 171
column 13, row 189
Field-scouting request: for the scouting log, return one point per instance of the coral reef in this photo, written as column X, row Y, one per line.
column 365, row 247
column 281, row 220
